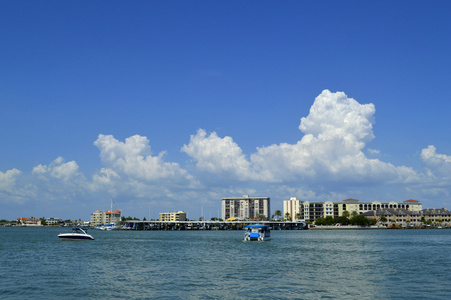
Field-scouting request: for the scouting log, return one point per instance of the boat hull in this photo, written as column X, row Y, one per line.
column 75, row 236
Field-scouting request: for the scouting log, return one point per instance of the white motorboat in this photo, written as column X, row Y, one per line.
column 76, row 234
column 111, row 226
column 257, row 232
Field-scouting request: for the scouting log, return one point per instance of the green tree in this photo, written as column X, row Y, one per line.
column 362, row 221
column 287, row 216
column 329, row 220
column 320, row 221
column 342, row 220
column 278, row 213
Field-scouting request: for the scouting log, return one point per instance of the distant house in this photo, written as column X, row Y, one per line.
column 29, row 222
column 54, row 221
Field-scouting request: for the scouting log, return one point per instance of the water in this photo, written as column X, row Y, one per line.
column 354, row 264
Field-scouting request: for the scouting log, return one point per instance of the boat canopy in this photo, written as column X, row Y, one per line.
column 257, row 226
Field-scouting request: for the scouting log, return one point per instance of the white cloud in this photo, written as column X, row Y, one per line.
column 335, row 115
column 437, row 164
column 373, row 151
column 221, row 156
column 336, row 131
column 13, row 187
column 8, row 180
column 133, row 160
column 58, row 169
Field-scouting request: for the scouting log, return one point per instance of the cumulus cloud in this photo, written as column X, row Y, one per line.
column 133, row 159
column 57, row 169
column 218, row 155
column 336, row 131
column 8, row 181
column 437, row 164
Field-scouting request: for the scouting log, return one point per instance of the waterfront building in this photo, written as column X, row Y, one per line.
column 244, row 208
column 311, row 211
column 54, row 221
column 435, row 215
column 105, row 217
column 305, row 210
column 173, row 216
column 400, row 217
column 352, row 205
column 29, row 221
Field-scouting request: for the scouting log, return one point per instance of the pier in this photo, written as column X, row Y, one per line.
column 208, row 225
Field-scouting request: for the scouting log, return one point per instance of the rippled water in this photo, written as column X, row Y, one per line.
column 354, row 264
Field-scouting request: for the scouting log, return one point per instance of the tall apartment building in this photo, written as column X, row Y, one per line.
column 245, row 207
column 105, row 217
column 310, row 211
column 173, row 216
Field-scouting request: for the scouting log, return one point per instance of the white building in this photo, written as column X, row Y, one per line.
column 54, row 221
column 292, row 207
column 243, row 208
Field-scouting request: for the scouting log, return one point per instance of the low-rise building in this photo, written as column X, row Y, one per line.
column 173, row 216
column 54, row 221
column 29, row 221
column 399, row 217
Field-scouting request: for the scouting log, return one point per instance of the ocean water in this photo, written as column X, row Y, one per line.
column 351, row 264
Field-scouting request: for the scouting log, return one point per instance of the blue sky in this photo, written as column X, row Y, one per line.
column 172, row 105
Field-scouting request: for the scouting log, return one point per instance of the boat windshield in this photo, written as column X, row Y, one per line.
column 79, row 230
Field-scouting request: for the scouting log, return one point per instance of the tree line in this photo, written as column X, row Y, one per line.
column 355, row 219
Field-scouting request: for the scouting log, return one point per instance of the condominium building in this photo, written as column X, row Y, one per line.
column 105, row 217
column 173, row 216
column 405, row 218
column 311, row 211
column 243, row 208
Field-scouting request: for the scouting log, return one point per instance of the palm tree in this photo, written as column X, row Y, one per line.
column 278, row 213
column 287, row 216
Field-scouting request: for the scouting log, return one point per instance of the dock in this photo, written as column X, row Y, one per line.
column 208, row 225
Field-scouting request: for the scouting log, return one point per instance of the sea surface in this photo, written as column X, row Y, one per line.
column 339, row 264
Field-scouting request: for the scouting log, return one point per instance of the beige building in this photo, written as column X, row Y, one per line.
column 29, row 221
column 310, row 211
column 399, row 217
column 245, row 208
column 105, row 217
column 173, row 216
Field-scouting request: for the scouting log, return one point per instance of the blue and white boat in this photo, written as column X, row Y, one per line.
column 77, row 233
column 111, row 226
column 257, row 232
